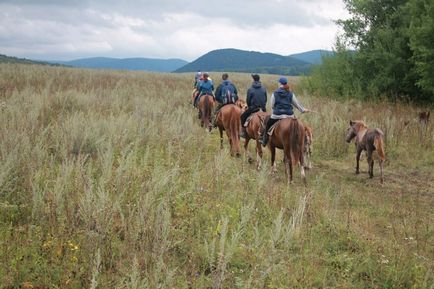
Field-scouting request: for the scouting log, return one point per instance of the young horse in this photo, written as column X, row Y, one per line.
column 206, row 107
column 367, row 139
column 253, row 132
column 289, row 135
column 228, row 119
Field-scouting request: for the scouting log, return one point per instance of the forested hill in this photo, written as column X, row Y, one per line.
column 10, row 59
column 248, row 61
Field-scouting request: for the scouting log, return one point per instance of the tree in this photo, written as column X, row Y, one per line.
column 393, row 56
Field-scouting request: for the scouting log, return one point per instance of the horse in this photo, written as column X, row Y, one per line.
column 367, row 139
column 253, row 131
column 307, row 150
column 206, row 107
column 289, row 135
column 228, row 119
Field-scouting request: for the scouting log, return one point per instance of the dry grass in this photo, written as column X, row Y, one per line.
column 108, row 181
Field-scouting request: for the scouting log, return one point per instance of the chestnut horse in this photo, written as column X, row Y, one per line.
column 289, row 135
column 228, row 119
column 206, row 107
column 253, row 131
column 367, row 139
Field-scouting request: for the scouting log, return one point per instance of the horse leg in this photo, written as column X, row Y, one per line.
column 273, row 159
column 381, row 162
column 258, row 154
column 302, row 172
column 370, row 164
column 359, row 151
column 230, row 142
column 246, row 149
column 221, row 137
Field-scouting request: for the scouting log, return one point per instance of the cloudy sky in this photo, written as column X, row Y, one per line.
column 71, row 29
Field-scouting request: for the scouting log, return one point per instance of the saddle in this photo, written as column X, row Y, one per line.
column 246, row 123
column 271, row 130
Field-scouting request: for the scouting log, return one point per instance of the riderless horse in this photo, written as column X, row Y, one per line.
column 368, row 139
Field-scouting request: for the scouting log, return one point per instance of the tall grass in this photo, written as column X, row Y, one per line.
column 108, row 181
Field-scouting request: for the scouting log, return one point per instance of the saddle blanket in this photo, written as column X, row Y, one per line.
column 271, row 130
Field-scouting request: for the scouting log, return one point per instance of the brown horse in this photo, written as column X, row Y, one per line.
column 289, row 135
column 206, row 107
column 367, row 139
column 228, row 119
column 253, row 131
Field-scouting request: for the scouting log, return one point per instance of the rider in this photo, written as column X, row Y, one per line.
column 256, row 100
column 225, row 93
column 204, row 86
column 197, row 77
column 282, row 103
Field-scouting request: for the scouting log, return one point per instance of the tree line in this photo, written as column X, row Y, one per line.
column 386, row 51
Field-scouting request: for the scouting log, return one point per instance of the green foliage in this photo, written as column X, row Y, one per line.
column 393, row 53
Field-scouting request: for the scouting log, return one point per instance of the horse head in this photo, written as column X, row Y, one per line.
column 241, row 104
column 354, row 129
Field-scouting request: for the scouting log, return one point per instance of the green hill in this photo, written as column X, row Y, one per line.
column 247, row 61
column 11, row 59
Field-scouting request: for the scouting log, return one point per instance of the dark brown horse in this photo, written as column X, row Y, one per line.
column 289, row 135
column 206, row 107
column 228, row 119
column 367, row 139
column 253, row 131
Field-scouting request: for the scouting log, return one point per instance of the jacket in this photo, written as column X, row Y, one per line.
column 257, row 96
column 282, row 102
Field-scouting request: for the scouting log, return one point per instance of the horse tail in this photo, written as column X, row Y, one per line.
column 296, row 141
column 379, row 144
column 234, row 126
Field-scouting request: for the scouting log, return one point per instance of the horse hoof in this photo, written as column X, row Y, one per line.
column 250, row 160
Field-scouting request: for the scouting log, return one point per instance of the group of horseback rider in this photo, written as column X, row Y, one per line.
column 283, row 100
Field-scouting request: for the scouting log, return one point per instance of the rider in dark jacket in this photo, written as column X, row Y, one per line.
column 224, row 86
column 256, row 100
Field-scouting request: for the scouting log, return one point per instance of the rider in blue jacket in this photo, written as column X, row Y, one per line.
column 204, row 86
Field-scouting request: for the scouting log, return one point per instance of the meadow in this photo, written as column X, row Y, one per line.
column 108, row 181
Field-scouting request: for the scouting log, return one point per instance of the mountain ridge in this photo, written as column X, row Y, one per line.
column 133, row 63
column 227, row 59
column 235, row 60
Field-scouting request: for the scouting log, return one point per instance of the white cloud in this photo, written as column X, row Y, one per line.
column 181, row 29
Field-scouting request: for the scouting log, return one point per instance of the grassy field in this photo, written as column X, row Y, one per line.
column 108, row 181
